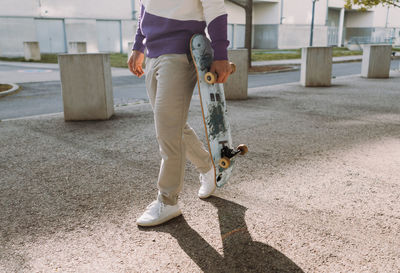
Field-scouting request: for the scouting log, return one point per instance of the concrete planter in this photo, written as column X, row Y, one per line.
column 77, row 47
column 316, row 66
column 376, row 61
column 32, row 51
column 236, row 86
column 86, row 86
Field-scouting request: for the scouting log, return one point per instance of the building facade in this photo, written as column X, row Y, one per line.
column 286, row 24
column 105, row 26
column 109, row 26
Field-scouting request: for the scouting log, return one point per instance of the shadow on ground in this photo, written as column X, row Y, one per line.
column 241, row 253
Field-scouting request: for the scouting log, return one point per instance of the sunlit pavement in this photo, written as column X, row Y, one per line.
column 317, row 192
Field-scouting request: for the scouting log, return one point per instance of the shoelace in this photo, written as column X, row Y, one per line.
column 160, row 207
column 152, row 204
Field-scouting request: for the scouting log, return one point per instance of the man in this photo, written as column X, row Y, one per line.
column 164, row 30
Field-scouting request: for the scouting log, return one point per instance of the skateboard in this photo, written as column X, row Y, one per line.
column 214, row 112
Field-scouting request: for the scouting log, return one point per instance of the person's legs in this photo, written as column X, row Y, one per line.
column 200, row 157
column 170, row 80
column 195, row 150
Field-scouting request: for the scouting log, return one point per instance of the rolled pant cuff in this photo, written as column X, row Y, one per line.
column 167, row 200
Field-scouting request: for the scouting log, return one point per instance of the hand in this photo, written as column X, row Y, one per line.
column 223, row 69
column 135, row 63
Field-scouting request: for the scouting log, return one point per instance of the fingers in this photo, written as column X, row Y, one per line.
column 222, row 77
column 222, row 68
column 135, row 64
column 138, row 71
column 223, row 72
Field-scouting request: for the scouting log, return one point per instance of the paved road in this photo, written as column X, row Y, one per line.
column 318, row 192
column 45, row 97
column 338, row 70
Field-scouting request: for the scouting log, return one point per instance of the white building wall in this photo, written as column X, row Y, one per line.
column 357, row 19
column 80, row 21
column 394, row 17
column 128, row 28
column 266, row 13
column 14, row 32
column 19, row 8
column 300, row 12
column 19, row 21
column 295, row 30
column 294, row 36
column 236, row 24
column 115, row 9
column 336, row 3
column 82, row 30
column 236, row 14
column 380, row 16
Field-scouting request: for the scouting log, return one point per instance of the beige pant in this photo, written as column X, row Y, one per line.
column 170, row 80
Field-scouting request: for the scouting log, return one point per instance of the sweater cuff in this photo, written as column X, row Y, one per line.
column 218, row 31
column 139, row 47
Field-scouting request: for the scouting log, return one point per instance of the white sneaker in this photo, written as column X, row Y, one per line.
column 157, row 213
column 208, row 185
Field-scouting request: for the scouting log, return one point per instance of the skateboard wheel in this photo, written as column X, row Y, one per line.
column 210, row 78
column 224, row 162
column 233, row 66
column 243, row 149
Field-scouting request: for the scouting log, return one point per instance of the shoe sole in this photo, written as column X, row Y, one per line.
column 161, row 221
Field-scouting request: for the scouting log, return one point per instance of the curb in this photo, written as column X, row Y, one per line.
column 397, row 57
column 291, row 68
column 13, row 89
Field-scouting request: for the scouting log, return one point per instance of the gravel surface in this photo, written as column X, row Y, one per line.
column 318, row 191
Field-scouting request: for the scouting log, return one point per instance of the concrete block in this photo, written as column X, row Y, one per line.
column 77, row 47
column 376, row 61
column 316, row 66
column 32, row 51
column 86, row 86
column 236, row 86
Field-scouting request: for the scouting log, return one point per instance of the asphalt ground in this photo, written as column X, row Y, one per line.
column 44, row 96
column 317, row 192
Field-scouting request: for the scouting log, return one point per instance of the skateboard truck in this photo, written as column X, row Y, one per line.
column 211, row 77
column 228, row 153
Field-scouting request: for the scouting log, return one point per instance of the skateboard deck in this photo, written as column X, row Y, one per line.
column 214, row 112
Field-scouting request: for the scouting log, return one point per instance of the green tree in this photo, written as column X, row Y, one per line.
column 367, row 4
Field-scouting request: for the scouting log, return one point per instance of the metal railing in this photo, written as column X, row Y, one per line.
column 362, row 40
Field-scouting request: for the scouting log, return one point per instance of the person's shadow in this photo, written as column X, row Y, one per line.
column 241, row 253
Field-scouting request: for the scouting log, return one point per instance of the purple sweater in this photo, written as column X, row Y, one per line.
column 165, row 27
